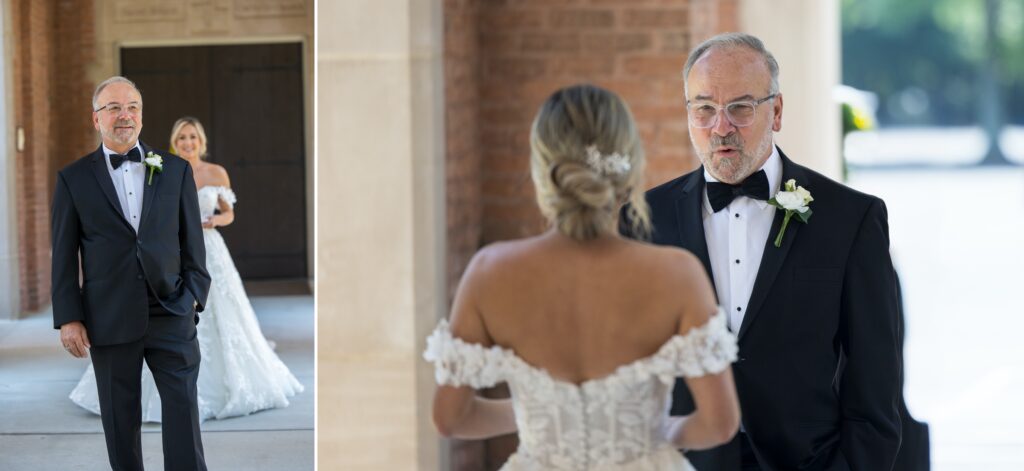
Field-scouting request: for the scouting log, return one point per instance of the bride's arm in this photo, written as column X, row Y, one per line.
column 717, row 415
column 458, row 411
column 225, row 209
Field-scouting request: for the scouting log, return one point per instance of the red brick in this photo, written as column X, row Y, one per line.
column 499, row 20
column 582, row 18
column 511, row 187
column 505, row 114
column 660, row 113
column 52, row 38
column 609, row 43
column 655, row 18
column 663, row 67
column 676, row 42
column 551, row 42
column 669, row 136
column 517, row 69
column 635, row 92
column 585, row 68
column 497, row 43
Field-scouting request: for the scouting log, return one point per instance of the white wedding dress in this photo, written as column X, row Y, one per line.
column 239, row 373
column 613, row 423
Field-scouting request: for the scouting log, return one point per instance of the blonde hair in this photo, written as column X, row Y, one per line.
column 176, row 129
column 580, row 199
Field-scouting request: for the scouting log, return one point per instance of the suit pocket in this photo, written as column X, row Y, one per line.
column 817, row 275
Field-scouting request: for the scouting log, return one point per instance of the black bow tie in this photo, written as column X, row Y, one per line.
column 133, row 155
column 721, row 194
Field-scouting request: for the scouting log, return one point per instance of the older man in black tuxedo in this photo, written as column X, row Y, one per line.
column 127, row 218
column 813, row 302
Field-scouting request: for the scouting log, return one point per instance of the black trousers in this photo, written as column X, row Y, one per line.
column 748, row 460
column 171, row 351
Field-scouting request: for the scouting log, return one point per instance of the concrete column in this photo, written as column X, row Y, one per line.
column 380, row 230
column 804, row 36
column 9, row 288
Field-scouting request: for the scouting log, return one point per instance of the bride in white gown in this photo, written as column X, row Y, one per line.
column 588, row 329
column 239, row 373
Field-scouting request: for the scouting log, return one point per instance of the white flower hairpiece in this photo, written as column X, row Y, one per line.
column 608, row 165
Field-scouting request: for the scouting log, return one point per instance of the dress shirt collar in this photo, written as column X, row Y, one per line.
column 107, row 152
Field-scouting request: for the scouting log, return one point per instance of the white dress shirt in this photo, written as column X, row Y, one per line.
column 129, row 180
column 736, row 237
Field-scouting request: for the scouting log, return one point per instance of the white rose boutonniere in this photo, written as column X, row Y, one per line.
column 794, row 200
column 155, row 164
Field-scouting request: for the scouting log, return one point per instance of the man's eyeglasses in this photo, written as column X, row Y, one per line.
column 115, row 109
column 704, row 114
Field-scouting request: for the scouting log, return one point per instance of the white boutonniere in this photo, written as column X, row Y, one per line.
column 155, row 164
column 794, row 200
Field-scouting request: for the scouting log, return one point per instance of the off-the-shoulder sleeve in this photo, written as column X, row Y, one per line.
column 226, row 195
column 707, row 349
column 458, row 363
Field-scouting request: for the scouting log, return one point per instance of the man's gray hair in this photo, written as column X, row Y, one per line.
column 728, row 40
column 110, row 81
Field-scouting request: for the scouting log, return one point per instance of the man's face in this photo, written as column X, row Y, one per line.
column 720, row 77
column 119, row 120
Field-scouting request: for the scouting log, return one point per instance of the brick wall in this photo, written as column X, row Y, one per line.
column 52, row 47
column 503, row 58
column 32, row 88
column 462, row 136
column 462, row 166
column 74, row 56
column 635, row 48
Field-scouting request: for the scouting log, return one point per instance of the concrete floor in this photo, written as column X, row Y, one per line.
column 956, row 237
column 42, row 430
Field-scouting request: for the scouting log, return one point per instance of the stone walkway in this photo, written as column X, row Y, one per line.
column 42, row 430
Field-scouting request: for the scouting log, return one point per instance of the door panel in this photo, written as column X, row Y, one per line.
column 250, row 101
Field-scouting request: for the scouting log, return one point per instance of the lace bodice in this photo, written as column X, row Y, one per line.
column 209, row 196
column 613, row 422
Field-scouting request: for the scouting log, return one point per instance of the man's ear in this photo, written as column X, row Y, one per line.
column 777, row 113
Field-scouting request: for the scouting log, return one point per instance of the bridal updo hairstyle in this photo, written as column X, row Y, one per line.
column 586, row 161
column 176, row 129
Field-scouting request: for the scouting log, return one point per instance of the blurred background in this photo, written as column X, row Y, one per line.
column 933, row 107
column 423, row 158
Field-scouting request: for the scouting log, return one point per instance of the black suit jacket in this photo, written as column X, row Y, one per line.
column 166, row 256
column 819, row 366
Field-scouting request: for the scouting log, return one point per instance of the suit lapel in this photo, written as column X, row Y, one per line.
column 691, row 220
column 149, row 191
column 102, row 174
column 773, row 257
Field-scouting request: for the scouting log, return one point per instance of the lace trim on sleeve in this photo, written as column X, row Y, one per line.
column 459, row 363
column 227, row 196
column 704, row 350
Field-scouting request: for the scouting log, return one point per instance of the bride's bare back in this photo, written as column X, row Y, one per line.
column 580, row 309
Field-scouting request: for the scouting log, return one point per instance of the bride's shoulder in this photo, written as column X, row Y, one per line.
column 216, row 172
column 211, row 174
column 500, row 254
column 665, row 256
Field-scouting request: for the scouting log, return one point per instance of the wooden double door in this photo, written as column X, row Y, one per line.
column 250, row 101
